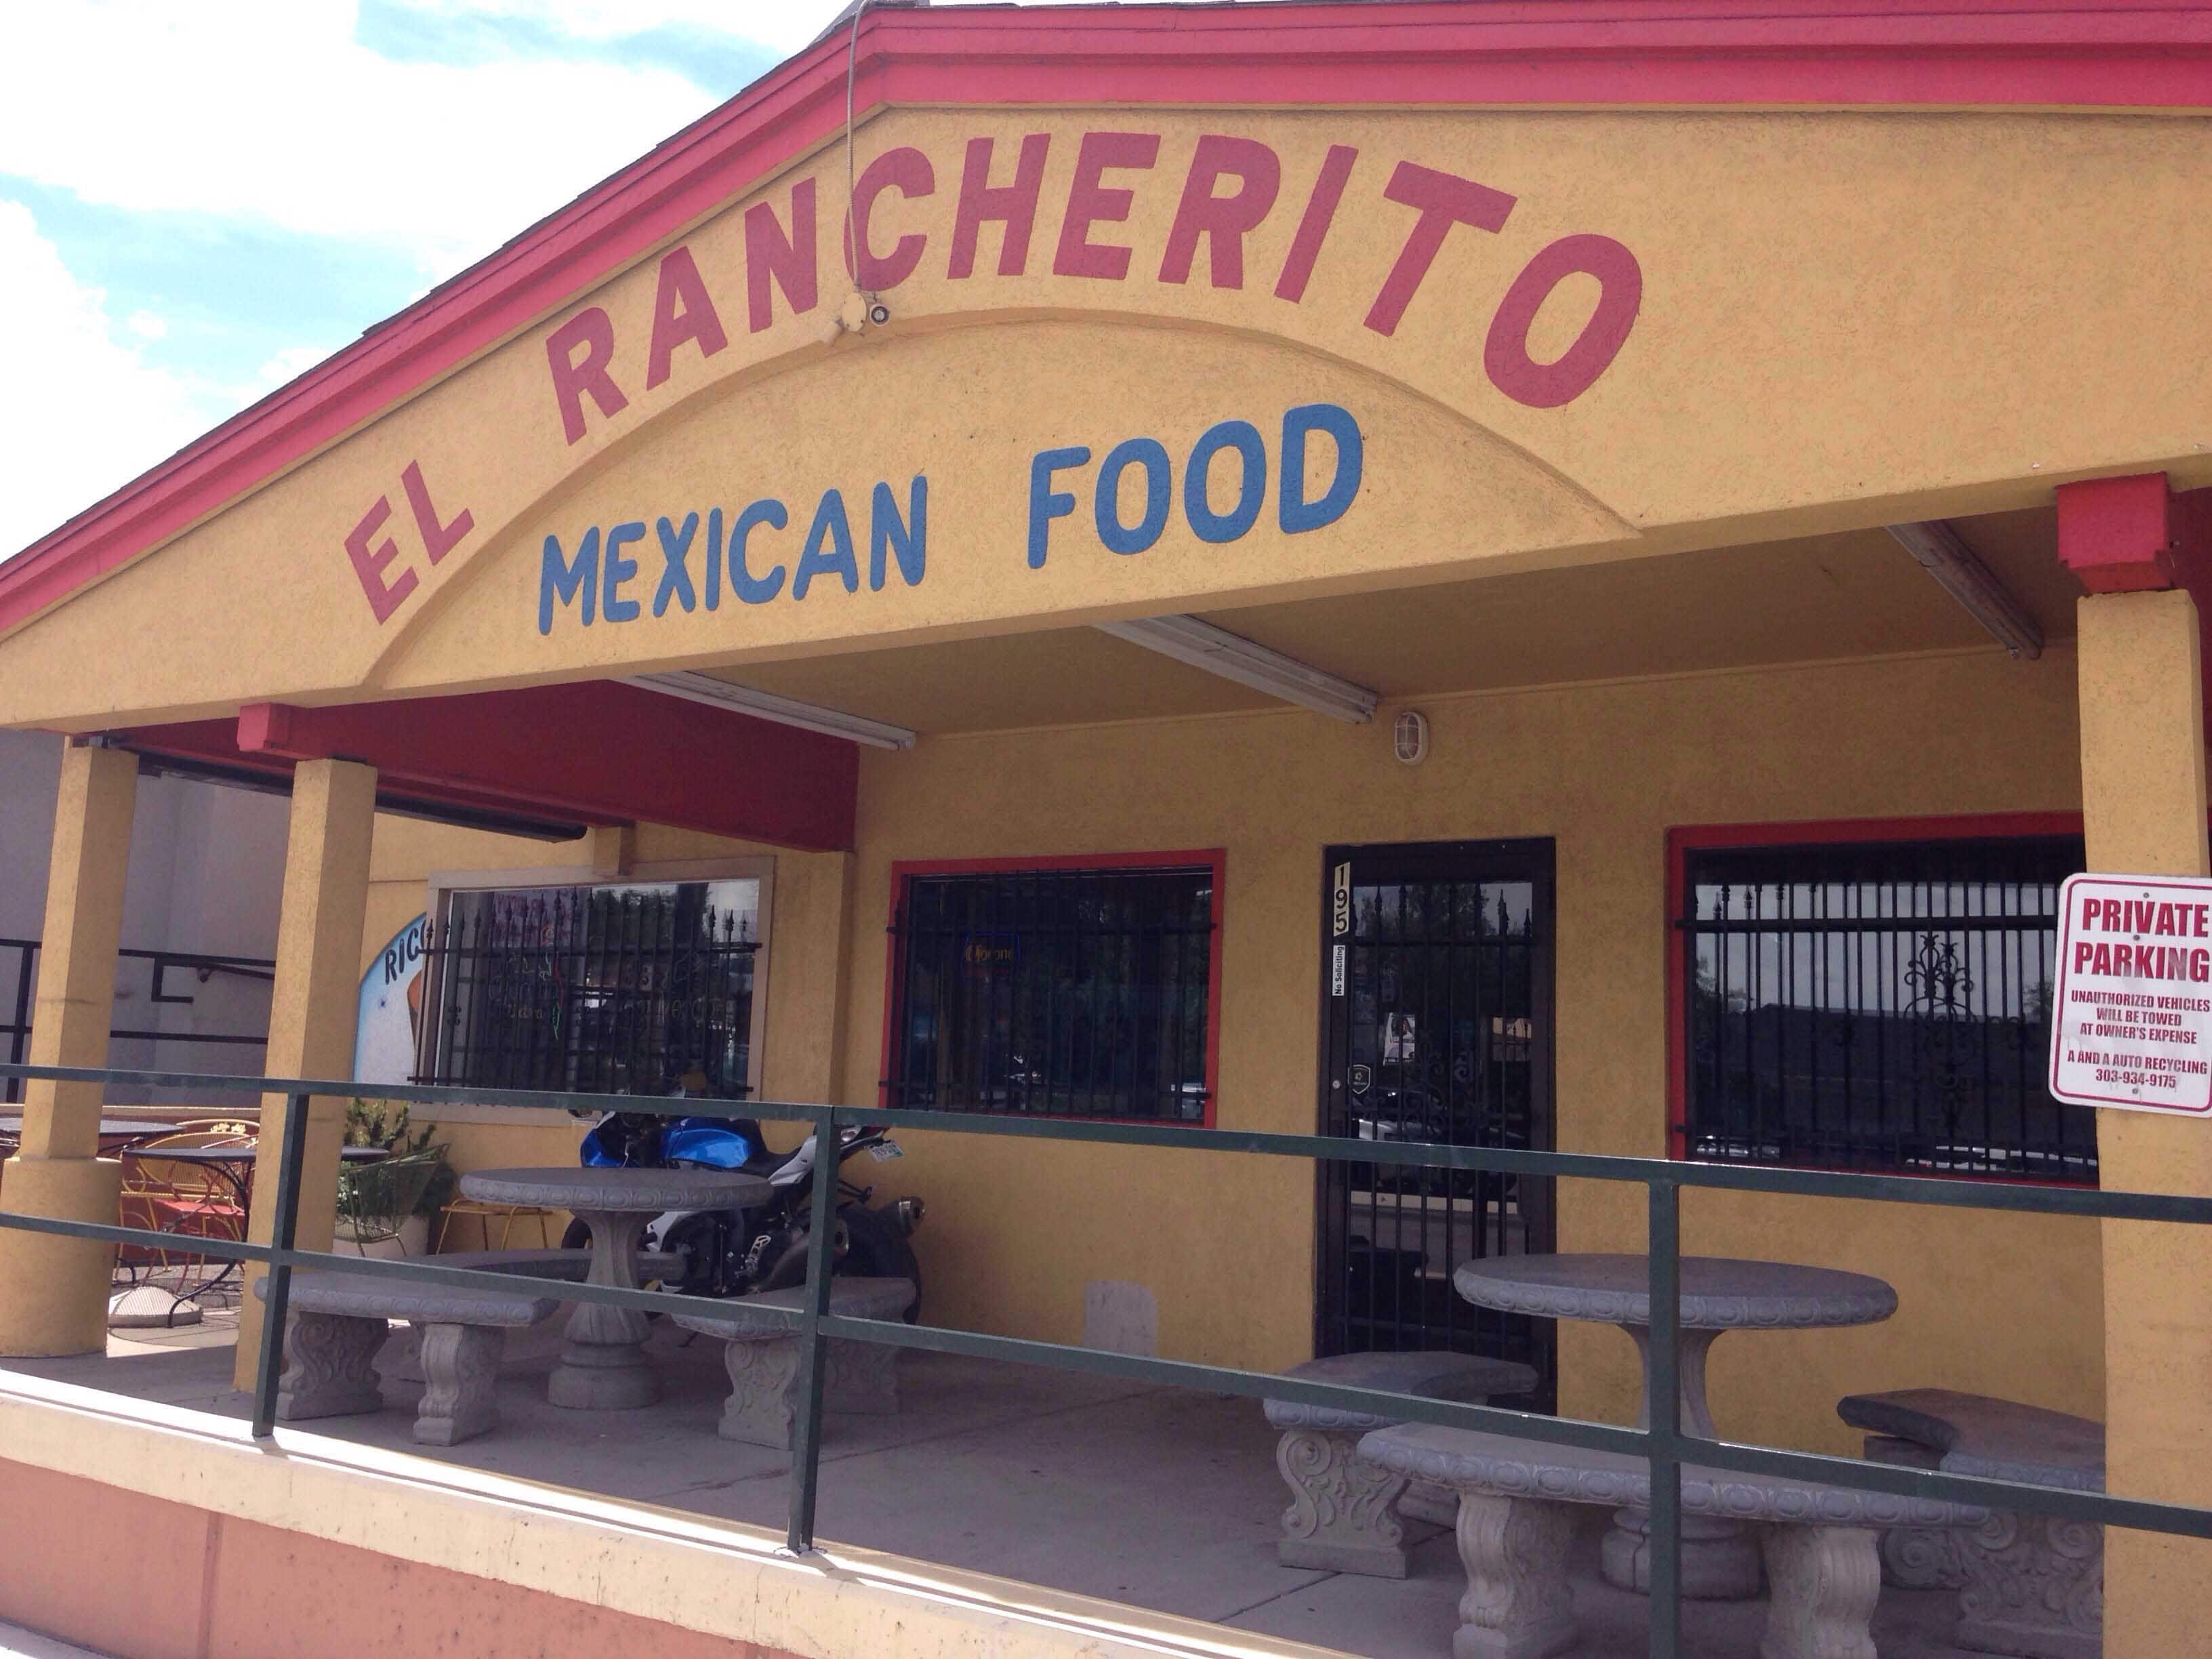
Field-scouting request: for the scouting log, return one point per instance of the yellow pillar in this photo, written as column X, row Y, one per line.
column 2144, row 806
column 53, row 1291
column 311, row 1014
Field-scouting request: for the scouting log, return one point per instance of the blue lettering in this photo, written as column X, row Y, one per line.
column 830, row 525
column 1046, row 503
column 907, row 541
column 714, row 558
column 1153, row 456
column 755, row 590
column 1211, row 526
column 1297, row 513
column 616, row 570
column 675, row 573
column 576, row 584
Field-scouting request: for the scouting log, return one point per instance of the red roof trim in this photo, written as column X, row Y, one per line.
column 2146, row 54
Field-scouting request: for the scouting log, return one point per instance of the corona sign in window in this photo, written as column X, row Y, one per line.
column 2131, row 1024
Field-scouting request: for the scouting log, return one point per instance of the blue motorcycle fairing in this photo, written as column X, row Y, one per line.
column 709, row 1143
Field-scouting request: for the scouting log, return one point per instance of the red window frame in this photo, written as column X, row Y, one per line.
column 904, row 871
column 1685, row 838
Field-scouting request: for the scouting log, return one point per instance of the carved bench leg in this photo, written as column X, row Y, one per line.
column 863, row 1377
column 330, row 1368
column 1343, row 1516
column 461, row 1362
column 2035, row 1588
column 763, row 1409
column 1823, row 1583
column 1916, row 1558
column 1517, row 1604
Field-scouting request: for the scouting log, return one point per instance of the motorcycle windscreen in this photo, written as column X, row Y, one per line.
column 710, row 1145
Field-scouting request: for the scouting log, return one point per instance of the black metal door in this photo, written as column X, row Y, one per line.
column 1436, row 1026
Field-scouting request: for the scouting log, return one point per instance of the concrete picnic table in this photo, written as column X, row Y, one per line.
column 602, row 1365
column 1720, row 1561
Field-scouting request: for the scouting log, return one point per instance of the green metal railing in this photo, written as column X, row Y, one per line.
column 1664, row 1443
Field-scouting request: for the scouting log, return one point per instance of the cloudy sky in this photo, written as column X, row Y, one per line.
column 199, row 198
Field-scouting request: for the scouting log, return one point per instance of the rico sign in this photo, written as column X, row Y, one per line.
column 2133, row 1025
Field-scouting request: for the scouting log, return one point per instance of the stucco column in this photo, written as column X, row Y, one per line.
column 311, row 1015
column 2143, row 795
column 53, row 1291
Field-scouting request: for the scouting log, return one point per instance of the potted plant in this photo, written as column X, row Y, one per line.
column 385, row 1208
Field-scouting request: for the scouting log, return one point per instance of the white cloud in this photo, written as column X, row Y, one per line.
column 85, row 412
column 782, row 25
column 146, row 325
column 267, row 110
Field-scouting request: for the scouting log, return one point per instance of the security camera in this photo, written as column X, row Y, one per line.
column 880, row 314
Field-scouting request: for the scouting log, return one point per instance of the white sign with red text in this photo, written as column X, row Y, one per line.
column 2132, row 1025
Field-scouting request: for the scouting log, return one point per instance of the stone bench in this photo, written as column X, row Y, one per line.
column 762, row 1358
column 338, row 1321
column 1345, row 1515
column 1515, row 1520
column 2030, row 1585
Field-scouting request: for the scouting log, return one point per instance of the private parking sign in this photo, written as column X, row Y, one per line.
column 2132, row 1019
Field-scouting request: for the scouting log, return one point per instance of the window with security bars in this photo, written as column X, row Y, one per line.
column 1881, row 1007
column 1063, row 992
column 634, row 989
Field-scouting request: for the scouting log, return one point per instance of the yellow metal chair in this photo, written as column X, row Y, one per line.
column 505, row 1215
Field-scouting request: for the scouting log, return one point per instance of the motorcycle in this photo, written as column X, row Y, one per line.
column 762, row 1246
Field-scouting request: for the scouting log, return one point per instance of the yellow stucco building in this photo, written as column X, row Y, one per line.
column 1334, row 462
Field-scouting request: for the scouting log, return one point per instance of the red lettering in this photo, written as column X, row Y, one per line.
column 2200, row 965
column 1621, row 291
column 1222, row 220
column 2081, row 956
column 681, row 311
column 369, row 563
column 572, row 377
column 438, row 539
column 2101, row 960
column 1090, row 203
column 1313, row 227
column 1444, row 200
column 1013, row 205
column 2166, row 919
column 2123, row 960
column 2199, row 912
column 789, row 259
column 907, row 170
column 2092, row 910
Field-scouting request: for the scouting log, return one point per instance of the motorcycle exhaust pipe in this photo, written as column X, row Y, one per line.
column 790, row 1268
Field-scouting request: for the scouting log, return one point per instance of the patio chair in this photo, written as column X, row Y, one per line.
column 189, row 1200
column 375, row 1199
column 485, row 1213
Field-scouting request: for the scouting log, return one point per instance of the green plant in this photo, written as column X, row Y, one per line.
column 369, row 1123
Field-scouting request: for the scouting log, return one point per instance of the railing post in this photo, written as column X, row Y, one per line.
column 1666, row 1414
column 814, row 1347
column 20, row 1033
column 292, row 1151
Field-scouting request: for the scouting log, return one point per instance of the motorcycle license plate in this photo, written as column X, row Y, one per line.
column 885, row 1150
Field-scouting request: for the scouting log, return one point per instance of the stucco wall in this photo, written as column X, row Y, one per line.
column 1226, row 1245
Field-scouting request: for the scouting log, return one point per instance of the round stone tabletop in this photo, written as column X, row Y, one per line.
column 617, row 1191
column 1719, row 1294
